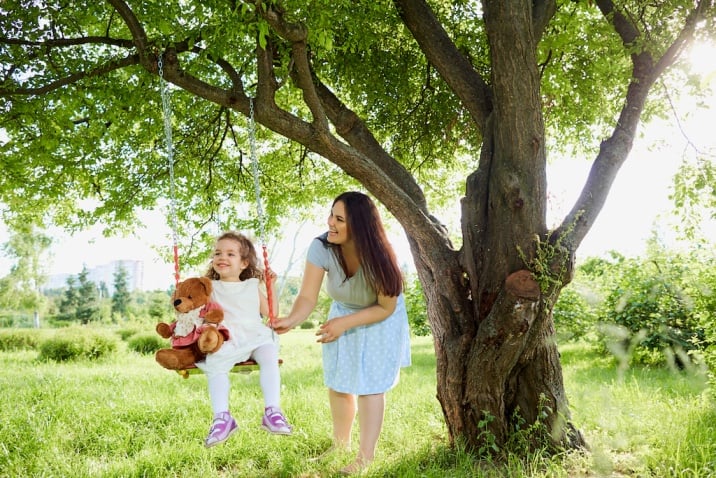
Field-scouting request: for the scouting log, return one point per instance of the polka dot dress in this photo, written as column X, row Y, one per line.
column 364, row 360
column 367, row 359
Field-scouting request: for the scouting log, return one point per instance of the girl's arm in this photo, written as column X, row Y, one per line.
column 305, row 301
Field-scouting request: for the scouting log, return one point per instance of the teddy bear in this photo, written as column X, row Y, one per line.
column 197, row 330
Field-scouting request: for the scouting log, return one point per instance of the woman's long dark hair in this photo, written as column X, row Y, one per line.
column 375, row 253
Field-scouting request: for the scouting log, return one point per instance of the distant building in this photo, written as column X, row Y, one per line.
column 105, row 274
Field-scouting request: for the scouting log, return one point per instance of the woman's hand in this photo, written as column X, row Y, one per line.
column 281, row 325
column 330, row 331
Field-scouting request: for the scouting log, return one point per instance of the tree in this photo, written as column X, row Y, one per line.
column 400, row 98
column 70, row 300
column 121, row 297
column 29, row 247
column 88, row 298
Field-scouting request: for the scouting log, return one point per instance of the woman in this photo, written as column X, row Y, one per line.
column 366, row 338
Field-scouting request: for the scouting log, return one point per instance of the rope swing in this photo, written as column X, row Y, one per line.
column 260, row 212
column 249, row 365
column 167, row 109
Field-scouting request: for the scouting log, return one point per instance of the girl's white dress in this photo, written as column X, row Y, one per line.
column 240, row 301
column 367, row 359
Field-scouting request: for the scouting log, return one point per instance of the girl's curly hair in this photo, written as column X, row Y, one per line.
column 248, row 253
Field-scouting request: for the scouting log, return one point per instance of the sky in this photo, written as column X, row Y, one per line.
column 637, row 205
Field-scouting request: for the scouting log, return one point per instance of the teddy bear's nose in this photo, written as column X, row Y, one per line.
column 177, row 302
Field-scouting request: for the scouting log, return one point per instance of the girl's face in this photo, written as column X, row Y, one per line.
column 337, row 225
column 227, row 260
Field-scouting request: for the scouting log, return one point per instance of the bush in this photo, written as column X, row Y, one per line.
column 416, row 307
column 77, row 343
column 146, row 344
column 21, row 339
column 307, row 324
column 126, row 333
column 573, row 317
column 652, row 300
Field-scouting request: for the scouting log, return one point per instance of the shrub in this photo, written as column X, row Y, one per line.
column 146, row 344
column 77, row 343
column 126, row 333
column 416, row 307
column 21, row 339
column 649, row 299
column 573, row 317
column 307, row 324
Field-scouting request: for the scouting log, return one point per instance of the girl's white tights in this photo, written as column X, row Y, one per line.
column 269, row 378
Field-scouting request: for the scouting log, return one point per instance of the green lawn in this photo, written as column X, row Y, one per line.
column 131, row 418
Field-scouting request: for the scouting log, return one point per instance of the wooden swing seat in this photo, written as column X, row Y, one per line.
column 247, row 366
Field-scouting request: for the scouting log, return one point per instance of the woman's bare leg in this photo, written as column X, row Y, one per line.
column 371, row 411
column 343, row 412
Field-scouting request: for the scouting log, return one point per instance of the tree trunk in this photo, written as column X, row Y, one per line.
column 504, row 375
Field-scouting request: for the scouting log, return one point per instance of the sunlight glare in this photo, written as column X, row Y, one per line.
column 702, row 57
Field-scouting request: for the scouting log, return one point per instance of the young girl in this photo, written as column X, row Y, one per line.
column 235, row 278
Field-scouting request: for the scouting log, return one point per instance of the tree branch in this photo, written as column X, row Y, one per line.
column 72, row 78
column 615, row 150
column 297, row 35
column 442, row 53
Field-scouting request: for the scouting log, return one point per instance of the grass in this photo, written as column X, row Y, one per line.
column 130, row 418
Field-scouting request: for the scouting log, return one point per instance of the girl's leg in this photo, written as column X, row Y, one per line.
column 343, row 412
column 273, row 420
column 371, row 410
column 219, row 387
column 223, row 425
column 269, row 375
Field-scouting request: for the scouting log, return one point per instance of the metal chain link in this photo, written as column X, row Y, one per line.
column 260, row 212
column 255, row 167
column 167, row 108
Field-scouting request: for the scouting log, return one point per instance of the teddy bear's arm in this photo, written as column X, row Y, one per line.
column 214, row 314
column 165, row 330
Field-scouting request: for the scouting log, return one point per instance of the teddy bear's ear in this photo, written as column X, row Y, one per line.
column 206, row 282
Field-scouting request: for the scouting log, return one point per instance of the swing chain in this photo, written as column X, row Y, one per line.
column 167, row 108
column 260, row 210
column 255, row 167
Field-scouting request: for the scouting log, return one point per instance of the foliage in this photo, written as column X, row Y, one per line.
column 651, row 299
column 396, row 95
column 655, row 308
column 88, row 299
column 417, row 309
column 80, row 301
column 156, row 306
column 28, row 247
column 146, row 343
column 121, row 297
column 573, row 317
column 125, row 333
column 77, row 343
column 21, row 339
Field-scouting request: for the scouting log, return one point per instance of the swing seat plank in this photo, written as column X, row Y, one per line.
column 247, row 366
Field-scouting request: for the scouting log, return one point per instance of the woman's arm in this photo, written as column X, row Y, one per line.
column 305, row 301
column 333, row 328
